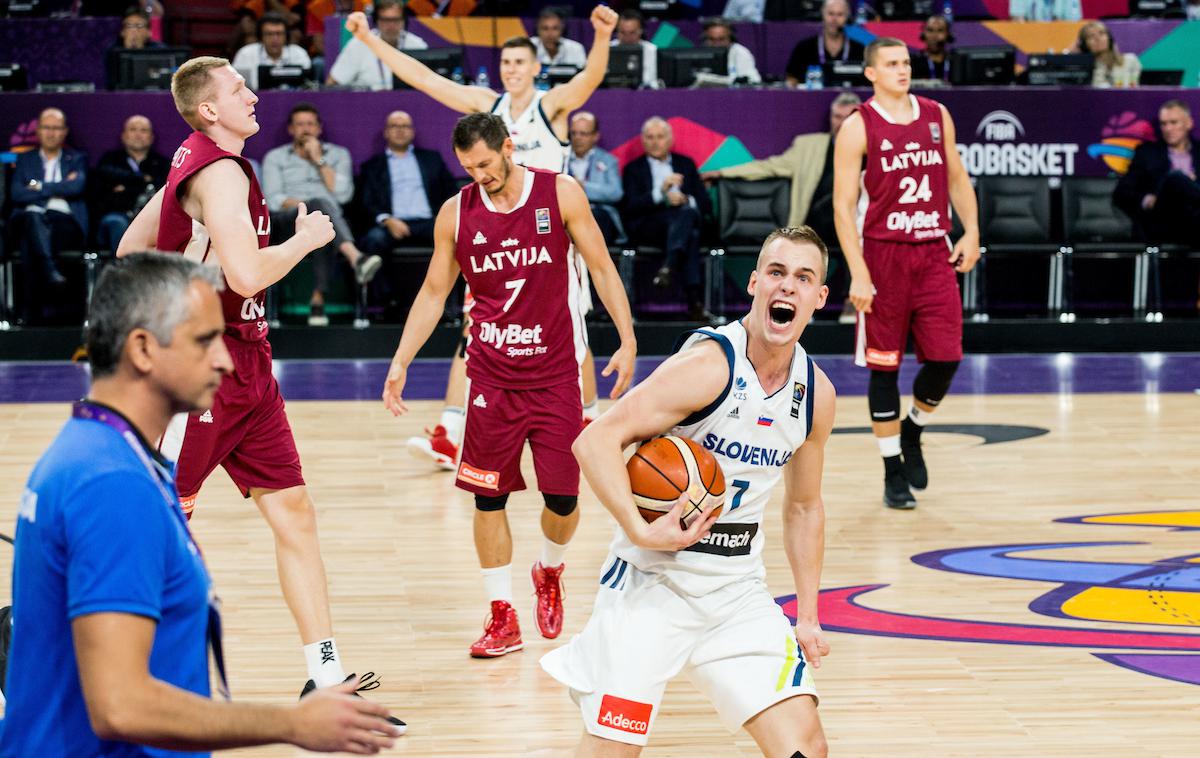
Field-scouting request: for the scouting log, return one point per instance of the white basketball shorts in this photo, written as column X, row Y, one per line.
column 734, row 644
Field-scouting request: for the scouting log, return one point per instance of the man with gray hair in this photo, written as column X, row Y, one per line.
column 114, row 610
column 665, row 206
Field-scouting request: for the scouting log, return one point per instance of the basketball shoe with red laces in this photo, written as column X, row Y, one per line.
column 547, row 583
column 501, row 635
column 436, row 446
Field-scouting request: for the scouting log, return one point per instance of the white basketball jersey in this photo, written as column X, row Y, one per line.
column 536, row 145
column 752, row 435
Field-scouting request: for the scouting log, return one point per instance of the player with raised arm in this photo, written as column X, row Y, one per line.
column 212, row 210
column 901, row 279
column 514, row 234
column 695, row 600
column 537, row 123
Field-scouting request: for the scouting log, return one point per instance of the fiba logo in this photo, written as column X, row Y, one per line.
column 1005, row 152
column 1000, row 126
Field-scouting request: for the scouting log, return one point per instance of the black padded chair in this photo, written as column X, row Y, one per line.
column 1015, row 220
column 1094, row 228
column 747, row 211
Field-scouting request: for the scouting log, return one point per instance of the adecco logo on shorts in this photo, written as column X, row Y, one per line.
column 479, row 477
column 625, row 715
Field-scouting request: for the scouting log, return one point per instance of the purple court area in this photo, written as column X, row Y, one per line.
column 979, row 375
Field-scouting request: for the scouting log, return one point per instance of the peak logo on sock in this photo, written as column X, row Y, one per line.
column 625, row 715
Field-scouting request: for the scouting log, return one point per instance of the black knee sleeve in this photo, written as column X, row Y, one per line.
column 797, row 754
column 933, row 381
column 487, row 503
column 561, row 505
column 883, row 396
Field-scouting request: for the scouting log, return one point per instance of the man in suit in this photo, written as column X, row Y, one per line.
column 125, row 179
column 48, row 201
column 596, row 169
column 402, row 189
column 1160, row 191
column 665, row 205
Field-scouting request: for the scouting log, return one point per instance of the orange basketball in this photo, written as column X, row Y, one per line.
column 666, row 467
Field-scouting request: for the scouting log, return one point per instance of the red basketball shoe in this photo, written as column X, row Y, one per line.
column 501, row 635
column 437, row 446
column 547, row 583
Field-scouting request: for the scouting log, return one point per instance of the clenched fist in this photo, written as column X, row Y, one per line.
column 314, row 228
column 357, row 25
column 604, row 20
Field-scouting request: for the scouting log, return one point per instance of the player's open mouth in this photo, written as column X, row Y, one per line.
column 782, row 313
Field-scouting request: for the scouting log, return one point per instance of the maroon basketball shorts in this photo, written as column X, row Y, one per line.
column 916, row 290
column 498, row 423
column 246, row 431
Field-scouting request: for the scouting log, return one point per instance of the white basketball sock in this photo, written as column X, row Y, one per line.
column 592, row 410
column 497, row 582
column 552, row 553
column 889, row 446
column 324, row 664
column 453, row 421
column 918, row 416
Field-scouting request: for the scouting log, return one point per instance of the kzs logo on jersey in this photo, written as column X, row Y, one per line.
column 180, row 156
column 542, row 216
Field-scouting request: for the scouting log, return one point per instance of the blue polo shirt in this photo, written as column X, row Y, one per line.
column 95, row 534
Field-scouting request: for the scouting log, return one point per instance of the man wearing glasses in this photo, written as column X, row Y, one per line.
column 356, row 66
column 719, row 33
column 135, row 35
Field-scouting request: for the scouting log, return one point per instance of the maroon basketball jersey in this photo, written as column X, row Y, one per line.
column 245, row 317
column 906, row 184
column 526, row 324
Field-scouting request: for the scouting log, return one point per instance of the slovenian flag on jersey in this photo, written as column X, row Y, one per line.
column 764, row 421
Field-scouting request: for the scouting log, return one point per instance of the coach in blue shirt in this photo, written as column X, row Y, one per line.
column 111, row 599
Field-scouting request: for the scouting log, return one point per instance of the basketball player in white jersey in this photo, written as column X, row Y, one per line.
column 537, row 123
column 695, row 600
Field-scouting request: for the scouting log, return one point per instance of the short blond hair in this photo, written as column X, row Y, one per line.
column 801, row 235
column 191, row 84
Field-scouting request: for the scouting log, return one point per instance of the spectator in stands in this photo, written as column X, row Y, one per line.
column 741, row 66
column 665, row 206
column 932, row 62
column 125, row 179
column 1160, row 192
column 356, row 66
column 597, row 171
column 272, row 49
column 808, row 162
column 745, row 10
column 630, row 31
column 49, row 212
column 402, row 188
column 135, row 35
column 401, row 191
column 1191, row 10
column 553, row 49
column 248, row 12
column 317, row 174
column 1045, row 10
column 830, row 45
column 1113, row 69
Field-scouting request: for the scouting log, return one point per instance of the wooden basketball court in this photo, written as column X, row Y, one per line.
column 408, row 599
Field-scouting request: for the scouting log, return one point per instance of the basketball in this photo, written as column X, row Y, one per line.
column 666, row 467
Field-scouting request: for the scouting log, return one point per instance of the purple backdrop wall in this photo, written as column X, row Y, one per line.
column 1038, row 131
